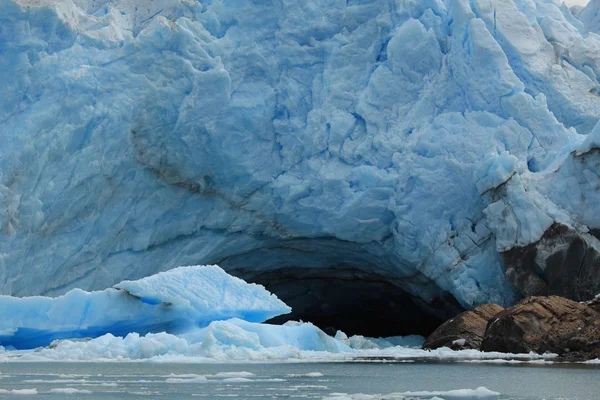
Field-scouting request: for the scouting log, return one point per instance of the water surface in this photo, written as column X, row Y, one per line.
column 294, row 380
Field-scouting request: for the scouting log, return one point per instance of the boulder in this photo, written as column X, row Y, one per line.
column 464, row 331
column 564, row 262
column 546, row 325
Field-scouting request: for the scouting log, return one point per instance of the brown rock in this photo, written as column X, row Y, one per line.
column 465, row 331
column 546, row 324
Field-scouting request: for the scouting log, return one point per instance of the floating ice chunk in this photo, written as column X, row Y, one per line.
column 232, row 340
column 24, row 392
column 237, row 380
column 207, row 293
column 241, row 376
column 195, row 379
column 359, row 342
column 70, row 391
column 339, row 335
column 236, row 374
column 468, row 393
column 238, row 333
column 173, row 301
column 307, row 375
column 479, row 393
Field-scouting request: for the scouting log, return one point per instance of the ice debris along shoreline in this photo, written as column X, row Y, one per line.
column 241, row 341
column 175, row 301
column 188, row 314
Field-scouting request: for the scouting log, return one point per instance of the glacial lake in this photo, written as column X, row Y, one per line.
column 426, row 380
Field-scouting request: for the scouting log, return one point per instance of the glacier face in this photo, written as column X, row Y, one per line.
column 364, row 139
column 590, row 16
column 177, row 301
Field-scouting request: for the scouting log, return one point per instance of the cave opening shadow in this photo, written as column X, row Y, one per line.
column 355, row 302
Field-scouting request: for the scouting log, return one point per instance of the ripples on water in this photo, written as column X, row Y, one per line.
column 332, row 381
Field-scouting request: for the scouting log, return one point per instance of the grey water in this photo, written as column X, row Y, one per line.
column 295, row 380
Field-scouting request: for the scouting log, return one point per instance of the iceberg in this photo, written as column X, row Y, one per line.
column 236, row 340
column 222, row 341
column 176, row 301
column 400, row 148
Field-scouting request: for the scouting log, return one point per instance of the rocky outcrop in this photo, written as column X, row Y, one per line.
column 594, row 304
column 546, row 324
column 563, row 262
column 464, row 331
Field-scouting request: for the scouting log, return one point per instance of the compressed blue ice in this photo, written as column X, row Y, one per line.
column 590, row 16
column 176, row 301
column 260, row 135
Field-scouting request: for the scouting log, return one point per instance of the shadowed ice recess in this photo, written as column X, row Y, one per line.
column 376, row 153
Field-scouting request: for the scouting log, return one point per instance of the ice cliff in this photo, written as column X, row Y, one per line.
column 590, row 16
column 177, row 301
column 353, row 155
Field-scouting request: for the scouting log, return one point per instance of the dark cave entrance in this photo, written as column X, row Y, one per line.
column 370, row 307
column 339, row 285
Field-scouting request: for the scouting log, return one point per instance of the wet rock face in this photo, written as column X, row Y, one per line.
column 546, row 324
column 464, row 331
column 563, row 262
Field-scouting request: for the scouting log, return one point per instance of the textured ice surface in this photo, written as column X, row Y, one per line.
column 590, row 16
column 137, row 137
column 360, row 342
column 232, row 340
column 236, row 340
column 592, row 141
column 175, row 301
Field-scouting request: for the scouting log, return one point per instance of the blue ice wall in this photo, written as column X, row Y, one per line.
column 590, row 16
column 271, row 134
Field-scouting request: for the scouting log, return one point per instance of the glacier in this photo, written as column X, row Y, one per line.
column 177, row 301
column 390, row 154
column 590, row 16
